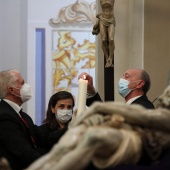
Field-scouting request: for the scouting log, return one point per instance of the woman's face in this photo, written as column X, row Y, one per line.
column 64, row 104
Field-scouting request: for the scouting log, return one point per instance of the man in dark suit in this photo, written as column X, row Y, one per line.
column 18, row 140
column 133, row 86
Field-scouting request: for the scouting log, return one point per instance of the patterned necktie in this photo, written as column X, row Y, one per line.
column 26, row 124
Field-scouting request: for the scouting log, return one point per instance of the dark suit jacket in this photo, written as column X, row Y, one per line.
column 143, row 100
column 48, row 137
column 93, row 99
column 15, row 141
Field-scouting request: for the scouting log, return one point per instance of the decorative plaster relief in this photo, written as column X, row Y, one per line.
column 80, row 12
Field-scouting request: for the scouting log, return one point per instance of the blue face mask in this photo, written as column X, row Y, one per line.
column 123, row 88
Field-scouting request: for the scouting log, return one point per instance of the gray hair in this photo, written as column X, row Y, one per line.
column 7, row 78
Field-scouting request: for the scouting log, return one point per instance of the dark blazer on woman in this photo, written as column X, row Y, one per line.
column 16, row 144
column 48, row 137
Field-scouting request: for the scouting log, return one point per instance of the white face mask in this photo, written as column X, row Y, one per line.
column 25, row 92
column 123, row 87
column 63, row 116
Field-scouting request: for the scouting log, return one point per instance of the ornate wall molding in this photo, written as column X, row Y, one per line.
column 79, row 12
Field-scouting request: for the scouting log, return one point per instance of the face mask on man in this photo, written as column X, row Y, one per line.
column 123, row 88
column 63, row 116
column 25, row 92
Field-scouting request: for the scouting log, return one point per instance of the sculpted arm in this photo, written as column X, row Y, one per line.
column 133, row 114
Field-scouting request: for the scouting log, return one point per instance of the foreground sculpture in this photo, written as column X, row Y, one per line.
column 4, row 164
column 108, row 134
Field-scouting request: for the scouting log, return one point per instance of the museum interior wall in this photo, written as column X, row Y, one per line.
column 157, row 44
column 13, row 36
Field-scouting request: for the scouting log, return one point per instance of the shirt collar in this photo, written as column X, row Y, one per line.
column 16, row 107
column 132, row 99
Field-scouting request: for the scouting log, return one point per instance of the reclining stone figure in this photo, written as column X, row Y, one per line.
column 111, row 133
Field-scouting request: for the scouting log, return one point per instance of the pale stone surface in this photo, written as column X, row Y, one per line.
column 4, row 165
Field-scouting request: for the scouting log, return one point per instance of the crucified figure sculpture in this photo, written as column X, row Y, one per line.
column 106, row 27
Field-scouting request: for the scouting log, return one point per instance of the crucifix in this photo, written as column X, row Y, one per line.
column 105, row 25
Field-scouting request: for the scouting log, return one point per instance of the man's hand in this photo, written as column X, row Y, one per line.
column 90, row 87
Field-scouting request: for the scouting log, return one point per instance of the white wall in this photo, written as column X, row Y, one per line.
column 13, row 33
column 10, row 36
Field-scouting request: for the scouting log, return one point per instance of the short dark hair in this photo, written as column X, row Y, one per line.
column 50, row 119
column 146, row 78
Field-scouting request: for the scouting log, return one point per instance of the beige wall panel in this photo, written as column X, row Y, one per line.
column 157, row 44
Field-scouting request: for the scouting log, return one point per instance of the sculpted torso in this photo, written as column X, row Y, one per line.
column 107, row 8
column 105, row 25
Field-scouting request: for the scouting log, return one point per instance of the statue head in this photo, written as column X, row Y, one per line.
column 164, row 99
column 108, row 2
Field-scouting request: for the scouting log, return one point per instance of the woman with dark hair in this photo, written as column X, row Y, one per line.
column 59, row 115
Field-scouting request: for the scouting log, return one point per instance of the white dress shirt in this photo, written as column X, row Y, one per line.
column 132, row 99
column 16, row 107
